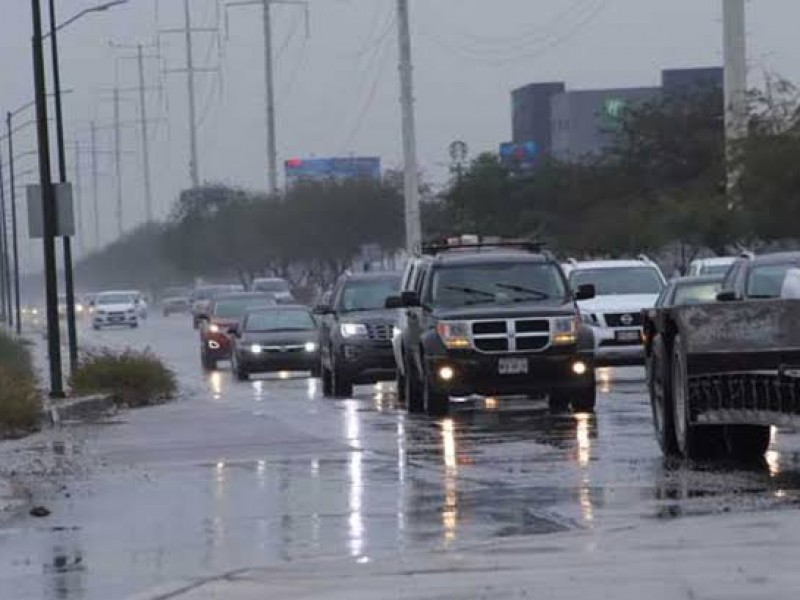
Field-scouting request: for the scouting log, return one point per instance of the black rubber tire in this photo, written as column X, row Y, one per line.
column 134, row 325
column 436, row 403
column 558, row 402
column 661, row 400
column 747, row 443
column 96, row 327
column 401, row 387
column 238, row 371
column 584, row 399
column 327, row 382
column 694, row 442
column 342, row 387
column 415, row 403
column 209, row 364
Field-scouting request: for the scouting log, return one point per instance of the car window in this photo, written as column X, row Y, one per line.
column 368, row 294
column 696, row 293
column 280, row 320
column 114, row 299
column 457, row 286
column 766, row 281
column 272, row 285
column 235, row 308
column 619, row 280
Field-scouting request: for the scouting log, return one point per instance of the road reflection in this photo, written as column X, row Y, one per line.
column 450, row 508
column 356, row 479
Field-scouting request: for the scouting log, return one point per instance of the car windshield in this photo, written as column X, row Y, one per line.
column 280, row 320
column 369, row 294
column 209, row 292
column 271, row 285
column 235, row 308
column 696, row 293
column 766, row 281
column 714, row 269
column 619, row 280
column 496, row 283
column 114, row 299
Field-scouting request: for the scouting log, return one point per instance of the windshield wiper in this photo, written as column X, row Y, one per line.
column 523, row 290
column 469, row 290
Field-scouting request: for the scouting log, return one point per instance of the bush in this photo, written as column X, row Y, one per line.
column 20, row 401
column 133, row 378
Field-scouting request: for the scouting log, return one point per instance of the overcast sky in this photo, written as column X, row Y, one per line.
column 337, row 90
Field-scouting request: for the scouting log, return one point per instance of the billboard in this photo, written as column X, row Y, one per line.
column 322, row 169
column 519, row 156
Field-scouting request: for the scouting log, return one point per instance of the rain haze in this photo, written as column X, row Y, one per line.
column 337, row 90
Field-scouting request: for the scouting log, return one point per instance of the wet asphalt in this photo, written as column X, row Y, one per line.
column 245, row 474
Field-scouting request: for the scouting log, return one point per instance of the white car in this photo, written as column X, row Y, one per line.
column 623, row 289
column 140, row 301
column 711, row 266
column 115, row 309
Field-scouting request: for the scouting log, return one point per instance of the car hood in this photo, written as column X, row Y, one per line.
column 279, row 338
column 115, row 307
column 506, row 311
column 619, row 303
column 369, row 316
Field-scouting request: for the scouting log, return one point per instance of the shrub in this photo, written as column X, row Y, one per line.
column 20, row 401
column 132, row 378
column 14, row 356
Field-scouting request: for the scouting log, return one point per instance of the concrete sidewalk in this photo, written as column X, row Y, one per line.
column 723, row 557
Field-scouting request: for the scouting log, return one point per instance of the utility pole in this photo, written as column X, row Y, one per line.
column 14, row 237
column 148, row 190
column 118, row 160
column 269, row 80
column 413, row 225
column 735, row 42
column 5, row 276
column 95, row 199
column 78, row 195
column 194, row 169
column 48, row 208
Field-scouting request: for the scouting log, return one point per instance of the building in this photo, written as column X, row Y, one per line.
column 570, row 124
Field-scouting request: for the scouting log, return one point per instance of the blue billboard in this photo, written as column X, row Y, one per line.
column 322, row 169
column 519, row 156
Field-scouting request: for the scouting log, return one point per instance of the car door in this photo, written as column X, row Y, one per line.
column 328, row 322
column 416, row 316
column 398, row 341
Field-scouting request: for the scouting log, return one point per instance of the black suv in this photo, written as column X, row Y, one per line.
column 491, row 320
column 356, row 332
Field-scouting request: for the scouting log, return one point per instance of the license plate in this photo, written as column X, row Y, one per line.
column 629, row 336
column 512, row 366
column 117, row 319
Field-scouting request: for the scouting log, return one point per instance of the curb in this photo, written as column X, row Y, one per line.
column 88, row 408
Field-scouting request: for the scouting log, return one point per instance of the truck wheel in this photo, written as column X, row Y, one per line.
column 693, row 441
column 437, row 404
column 342, row 387
column 239, row 371
column 209, row 364
column 558, row 401
column 327, row 382
column 747, row 442
column 585, row 399
column 415, row 403
column 661, row 398
column 401, row 387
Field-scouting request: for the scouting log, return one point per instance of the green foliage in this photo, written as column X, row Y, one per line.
column 133, row 378
column 20, row 401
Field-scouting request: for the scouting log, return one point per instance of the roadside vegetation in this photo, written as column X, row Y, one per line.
column 20, row 400
column 131, row 377
column 660, row 187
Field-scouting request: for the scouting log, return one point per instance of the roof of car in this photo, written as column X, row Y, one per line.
column 237, row 295
column 610, row 264
column 372, row 275
column 696, row 280
column 279, row 307
column 487, row 255
column 776, row 258
column 717, row 260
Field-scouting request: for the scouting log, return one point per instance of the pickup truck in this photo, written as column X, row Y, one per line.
column 720, row 374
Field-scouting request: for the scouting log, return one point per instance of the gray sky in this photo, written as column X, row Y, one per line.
column 337, row 91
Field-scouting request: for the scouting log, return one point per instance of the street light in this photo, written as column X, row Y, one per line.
column 69, row 283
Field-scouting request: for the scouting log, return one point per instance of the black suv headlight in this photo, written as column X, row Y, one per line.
column 565, row 330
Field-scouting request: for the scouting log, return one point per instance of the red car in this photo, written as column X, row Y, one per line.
column 224, row 312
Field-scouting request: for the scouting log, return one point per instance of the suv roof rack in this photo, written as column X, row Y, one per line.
column 474, row 242
column 644, row 258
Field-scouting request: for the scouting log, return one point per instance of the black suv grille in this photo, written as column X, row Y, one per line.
column 537, row 326
column 492, row 344
column 532, row 343
column 616, row 319
column 512, row 335
column 489, row 327
column 380, row 331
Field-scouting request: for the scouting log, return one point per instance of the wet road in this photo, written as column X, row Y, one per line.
column 244, row 474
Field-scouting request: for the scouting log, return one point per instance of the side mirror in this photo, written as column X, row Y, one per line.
column 586, row 291
column 234, row 330
column 409, row 299
column 322, row 309
column 202, row 317
column 726, row 296
column 393, row 302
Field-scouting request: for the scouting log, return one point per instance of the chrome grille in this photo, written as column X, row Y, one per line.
column 379, row 331
column 510, row 335
column 631, row 319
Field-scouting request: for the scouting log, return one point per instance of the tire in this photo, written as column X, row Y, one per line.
column 695, row 442
column 96, row 327
column 584, row 399
column 327, row 382
column 208, row 363
column 239, row 372
column 134, row 325
column 415, row 403
column 437, row 404
column 342, row 387
column 661, row 400
column 558, row 402
column 401, row 388
column 747, row 443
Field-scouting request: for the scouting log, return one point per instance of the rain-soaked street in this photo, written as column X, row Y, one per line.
column 243, row 474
